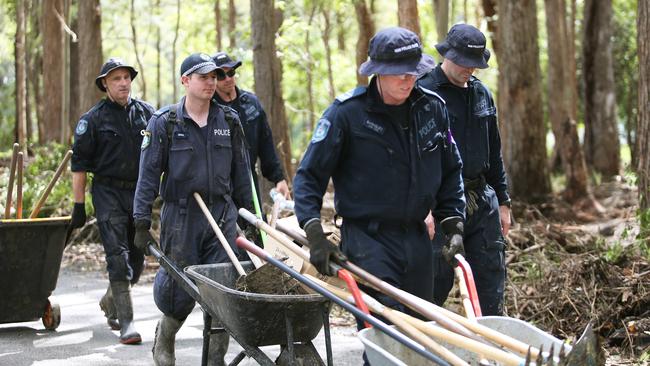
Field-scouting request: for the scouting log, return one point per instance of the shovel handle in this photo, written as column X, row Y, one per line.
column 469, row 284
column 57, row 174
column 354, row 289
column 398, row 336
column 222, row 239
column 12, row 172
column 19, row 186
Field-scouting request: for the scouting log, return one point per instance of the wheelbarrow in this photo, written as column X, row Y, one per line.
column 30, row 258
column 254, row 320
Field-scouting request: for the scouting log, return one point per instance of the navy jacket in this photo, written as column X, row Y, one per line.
column 381, row 171
column 212, row 168
column 258, row 133
column 473, row 117
column 107, row 139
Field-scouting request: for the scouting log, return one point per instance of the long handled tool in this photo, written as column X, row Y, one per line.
column 12, row 172
column 19, row 186
column 217, row 231
column 245, row 244
column 57, row 174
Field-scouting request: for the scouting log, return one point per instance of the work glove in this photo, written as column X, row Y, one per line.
column 143, row 236
column 78, row 215
column 454, row 230
column 321, row 250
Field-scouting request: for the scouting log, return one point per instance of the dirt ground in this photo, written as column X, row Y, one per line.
column 567, row 266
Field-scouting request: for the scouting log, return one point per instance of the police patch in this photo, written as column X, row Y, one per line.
column 146, row 140
column 82, row 127
column 321, row 130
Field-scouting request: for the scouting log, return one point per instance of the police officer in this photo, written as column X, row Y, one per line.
column 474, row 125
column 389, row 153
column 199, row 146
column 107, row 143
column 256, row 126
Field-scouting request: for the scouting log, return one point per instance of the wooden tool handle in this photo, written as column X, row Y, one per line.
column 57, row 174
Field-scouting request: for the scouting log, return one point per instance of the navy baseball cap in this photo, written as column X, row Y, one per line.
column 396, row 51
column 200, row 63
column 465, row 46
column 110, row 65
column 222, row 59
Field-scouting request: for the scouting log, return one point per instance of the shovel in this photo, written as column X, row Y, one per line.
column 12, row 172
column 48, row 189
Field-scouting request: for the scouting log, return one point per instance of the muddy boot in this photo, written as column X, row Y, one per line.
column 163, row 343
column 108, row 307
column 218, row 347
column 124, row 306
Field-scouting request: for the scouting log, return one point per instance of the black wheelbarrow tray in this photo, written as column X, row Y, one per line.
column 30, row 258
column 256, row 320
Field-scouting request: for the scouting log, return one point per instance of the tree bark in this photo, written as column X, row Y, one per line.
column 134, row 40
column 50, row 126
column 21, row 79
column 89, row 23
column 643, row 125
column 560, row 96
column 35, row 66
column 441, row 12
column 326, row 33
column 407, row 15
column 602, row 149
column 217, row 20
column 232, row 23
column 268, row 75
column 366, row 31
column 175, row 72
column 159, row 56
column 309, row 70
column 520, row 101
column 490, row 12
column 341, row 29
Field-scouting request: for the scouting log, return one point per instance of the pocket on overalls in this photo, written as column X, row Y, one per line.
column 223, row 162
column 180, row 162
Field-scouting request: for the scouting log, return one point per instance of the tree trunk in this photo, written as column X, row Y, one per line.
column 341, row 29
column 217, row 21
column 602, row 149
column 643, row 125
column 366, row 31
column 175, row 73
column 520, row 101
column 232, row 23
column 326, row 33
column 309, row 70
column 35, row 66
column 159, row 101
column 89, row 20
column 50, row 126
column 490, row 12
column 21, row 79
column 407, row 15
column 441, row 12
column 134, row 40
column 268, row 75
column 560, row 96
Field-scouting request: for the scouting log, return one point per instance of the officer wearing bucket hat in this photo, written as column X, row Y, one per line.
column 256, row 126
column 107, row 144
column 392, row 159
column 474, row 124
column 199, row 146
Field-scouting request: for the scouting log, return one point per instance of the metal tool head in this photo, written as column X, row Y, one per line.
column 587, row 351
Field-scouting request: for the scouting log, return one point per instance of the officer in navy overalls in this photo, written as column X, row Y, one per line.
column 390, row 155
column 196, row 146
column 474, row 125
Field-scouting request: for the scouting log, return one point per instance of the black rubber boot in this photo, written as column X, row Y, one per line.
column 124, row 306
column 163, row 343
column 108, row 307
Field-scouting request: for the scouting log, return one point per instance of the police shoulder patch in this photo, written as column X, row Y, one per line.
column 146, row 140
column 320, row 132
column 360, row 90
column 82, row 127
column 431, row 92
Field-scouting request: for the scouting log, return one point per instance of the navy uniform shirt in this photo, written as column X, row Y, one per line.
column 107, row 139
column 473, row 118
column 213, row 167
column 380, row 170
column 258, row 133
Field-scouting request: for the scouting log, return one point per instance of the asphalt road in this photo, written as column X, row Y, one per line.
column 84, row 339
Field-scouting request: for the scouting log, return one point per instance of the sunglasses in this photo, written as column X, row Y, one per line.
column 221, row 75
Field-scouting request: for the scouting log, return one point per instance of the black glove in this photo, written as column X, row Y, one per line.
column 143, row 236
column 454, row 230
column 322, row 250
column 78, row 215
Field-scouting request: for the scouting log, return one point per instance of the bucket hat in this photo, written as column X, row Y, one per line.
column 396, row 51
column 110, row 65
column 465, row 46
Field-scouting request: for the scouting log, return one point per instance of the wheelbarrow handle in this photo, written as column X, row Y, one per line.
column 176, row 273
column 245, row 244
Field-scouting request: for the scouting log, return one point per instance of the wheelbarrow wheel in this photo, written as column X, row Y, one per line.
column 51, row 316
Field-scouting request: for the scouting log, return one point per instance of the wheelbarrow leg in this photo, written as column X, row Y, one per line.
column 328, row 338
column 207, row 331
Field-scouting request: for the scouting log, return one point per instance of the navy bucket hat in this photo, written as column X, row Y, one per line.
column 110, row 65
column 396, row 51
column 465, row 46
